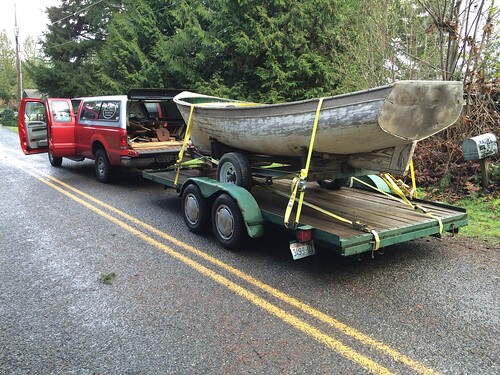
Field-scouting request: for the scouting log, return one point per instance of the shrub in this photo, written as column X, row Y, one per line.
column 8, row 118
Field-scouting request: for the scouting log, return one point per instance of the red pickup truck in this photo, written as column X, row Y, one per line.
column 140, row 130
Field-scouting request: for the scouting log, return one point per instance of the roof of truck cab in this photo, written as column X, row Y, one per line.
column 106, row 97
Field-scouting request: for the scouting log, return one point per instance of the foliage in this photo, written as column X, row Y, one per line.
column 126, row 58
column 8, row 117
column 7, row 69
column 107, row 278
column 262, row 52
column 272, row 51
column 30, row 56
column 281, row 50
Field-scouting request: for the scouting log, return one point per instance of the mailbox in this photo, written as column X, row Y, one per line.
column 480, row 147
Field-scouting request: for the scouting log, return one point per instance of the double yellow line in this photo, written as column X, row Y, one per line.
column 92, row 204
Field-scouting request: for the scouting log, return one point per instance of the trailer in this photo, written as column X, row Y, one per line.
column 365, row 217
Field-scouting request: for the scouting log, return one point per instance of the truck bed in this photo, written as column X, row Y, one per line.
column 394, row 221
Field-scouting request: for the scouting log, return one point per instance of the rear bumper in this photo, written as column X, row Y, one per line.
column 144, row 161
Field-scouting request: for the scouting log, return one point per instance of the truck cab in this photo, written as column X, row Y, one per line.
column 140, row 130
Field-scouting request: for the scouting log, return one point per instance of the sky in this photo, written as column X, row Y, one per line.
column 31, row 18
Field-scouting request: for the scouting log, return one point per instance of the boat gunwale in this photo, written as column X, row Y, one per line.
column 178, row 99
column 267, row 114
column 250, row 106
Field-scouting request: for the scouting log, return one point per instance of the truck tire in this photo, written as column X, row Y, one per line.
column 195, row 210
column 103, row 169
column 334, row 184
column 229, row 227
column 54, row 161
column 234, row 167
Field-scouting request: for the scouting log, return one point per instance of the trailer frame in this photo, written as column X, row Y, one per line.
column 392, row 222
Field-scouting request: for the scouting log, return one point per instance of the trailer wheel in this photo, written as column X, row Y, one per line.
column 334, row 184
column 103, row 169
column 228, row 224
column 54, row 160
column 195, row 210
column 235, row 167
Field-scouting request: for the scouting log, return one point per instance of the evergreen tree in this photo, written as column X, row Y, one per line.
column 77, row 31
column 126, row 58
column 272, row 51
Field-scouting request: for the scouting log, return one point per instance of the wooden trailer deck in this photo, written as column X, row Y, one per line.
column 394, row 221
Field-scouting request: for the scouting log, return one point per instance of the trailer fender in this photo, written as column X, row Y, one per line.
column 211, row 189
column 373, row 180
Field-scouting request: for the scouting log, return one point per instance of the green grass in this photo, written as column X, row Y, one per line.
column 107, row 278
column 484, row 218
column 483, row 212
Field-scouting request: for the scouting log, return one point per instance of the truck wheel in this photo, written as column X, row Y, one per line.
column 235, row 167
column 334, row 184
column 195, row 210
column 54, row 161
column 227, row 221
column 103, row 169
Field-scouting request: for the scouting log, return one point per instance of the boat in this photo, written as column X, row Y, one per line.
column 372, row 130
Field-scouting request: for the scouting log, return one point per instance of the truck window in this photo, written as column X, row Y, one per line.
column 110, row 111
column 135, row 111
column 75, row 103
column 154, row 110
column 34, row 111
column 61, row 111
column 90, row 111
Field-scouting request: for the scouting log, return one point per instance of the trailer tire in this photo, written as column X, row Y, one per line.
column 103, row 168
column 334, row 184
column 234, row 167
column 228, row 224
column 55, row 161
column 195, row 210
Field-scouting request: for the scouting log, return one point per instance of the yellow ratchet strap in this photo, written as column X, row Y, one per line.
column 355, row 224
column 394, row 187
column 413, row 192
column 303, row 174
column 186, row 140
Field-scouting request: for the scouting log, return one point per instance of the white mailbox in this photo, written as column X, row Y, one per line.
column 480, row 147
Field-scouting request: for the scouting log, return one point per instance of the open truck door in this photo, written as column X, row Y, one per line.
column 47, row 127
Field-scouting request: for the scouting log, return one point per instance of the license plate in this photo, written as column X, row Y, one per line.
column 301, row 250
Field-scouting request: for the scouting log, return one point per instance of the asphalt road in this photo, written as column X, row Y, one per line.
column 180, row 304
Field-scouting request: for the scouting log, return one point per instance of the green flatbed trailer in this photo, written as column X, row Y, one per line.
column 389, row 220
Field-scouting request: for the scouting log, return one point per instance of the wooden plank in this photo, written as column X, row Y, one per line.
column 171, row 144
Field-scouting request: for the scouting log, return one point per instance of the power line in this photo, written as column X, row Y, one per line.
column 78, row 11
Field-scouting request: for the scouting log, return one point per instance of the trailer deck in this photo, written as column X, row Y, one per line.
column 393, row 221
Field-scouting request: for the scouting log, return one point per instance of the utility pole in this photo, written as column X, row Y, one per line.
column 18, row 60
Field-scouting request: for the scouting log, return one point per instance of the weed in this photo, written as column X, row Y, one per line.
column 107, row 278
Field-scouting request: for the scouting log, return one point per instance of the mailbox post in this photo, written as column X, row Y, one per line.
column 480, row 148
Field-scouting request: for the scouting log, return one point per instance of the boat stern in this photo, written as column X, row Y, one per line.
column 415, row 110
